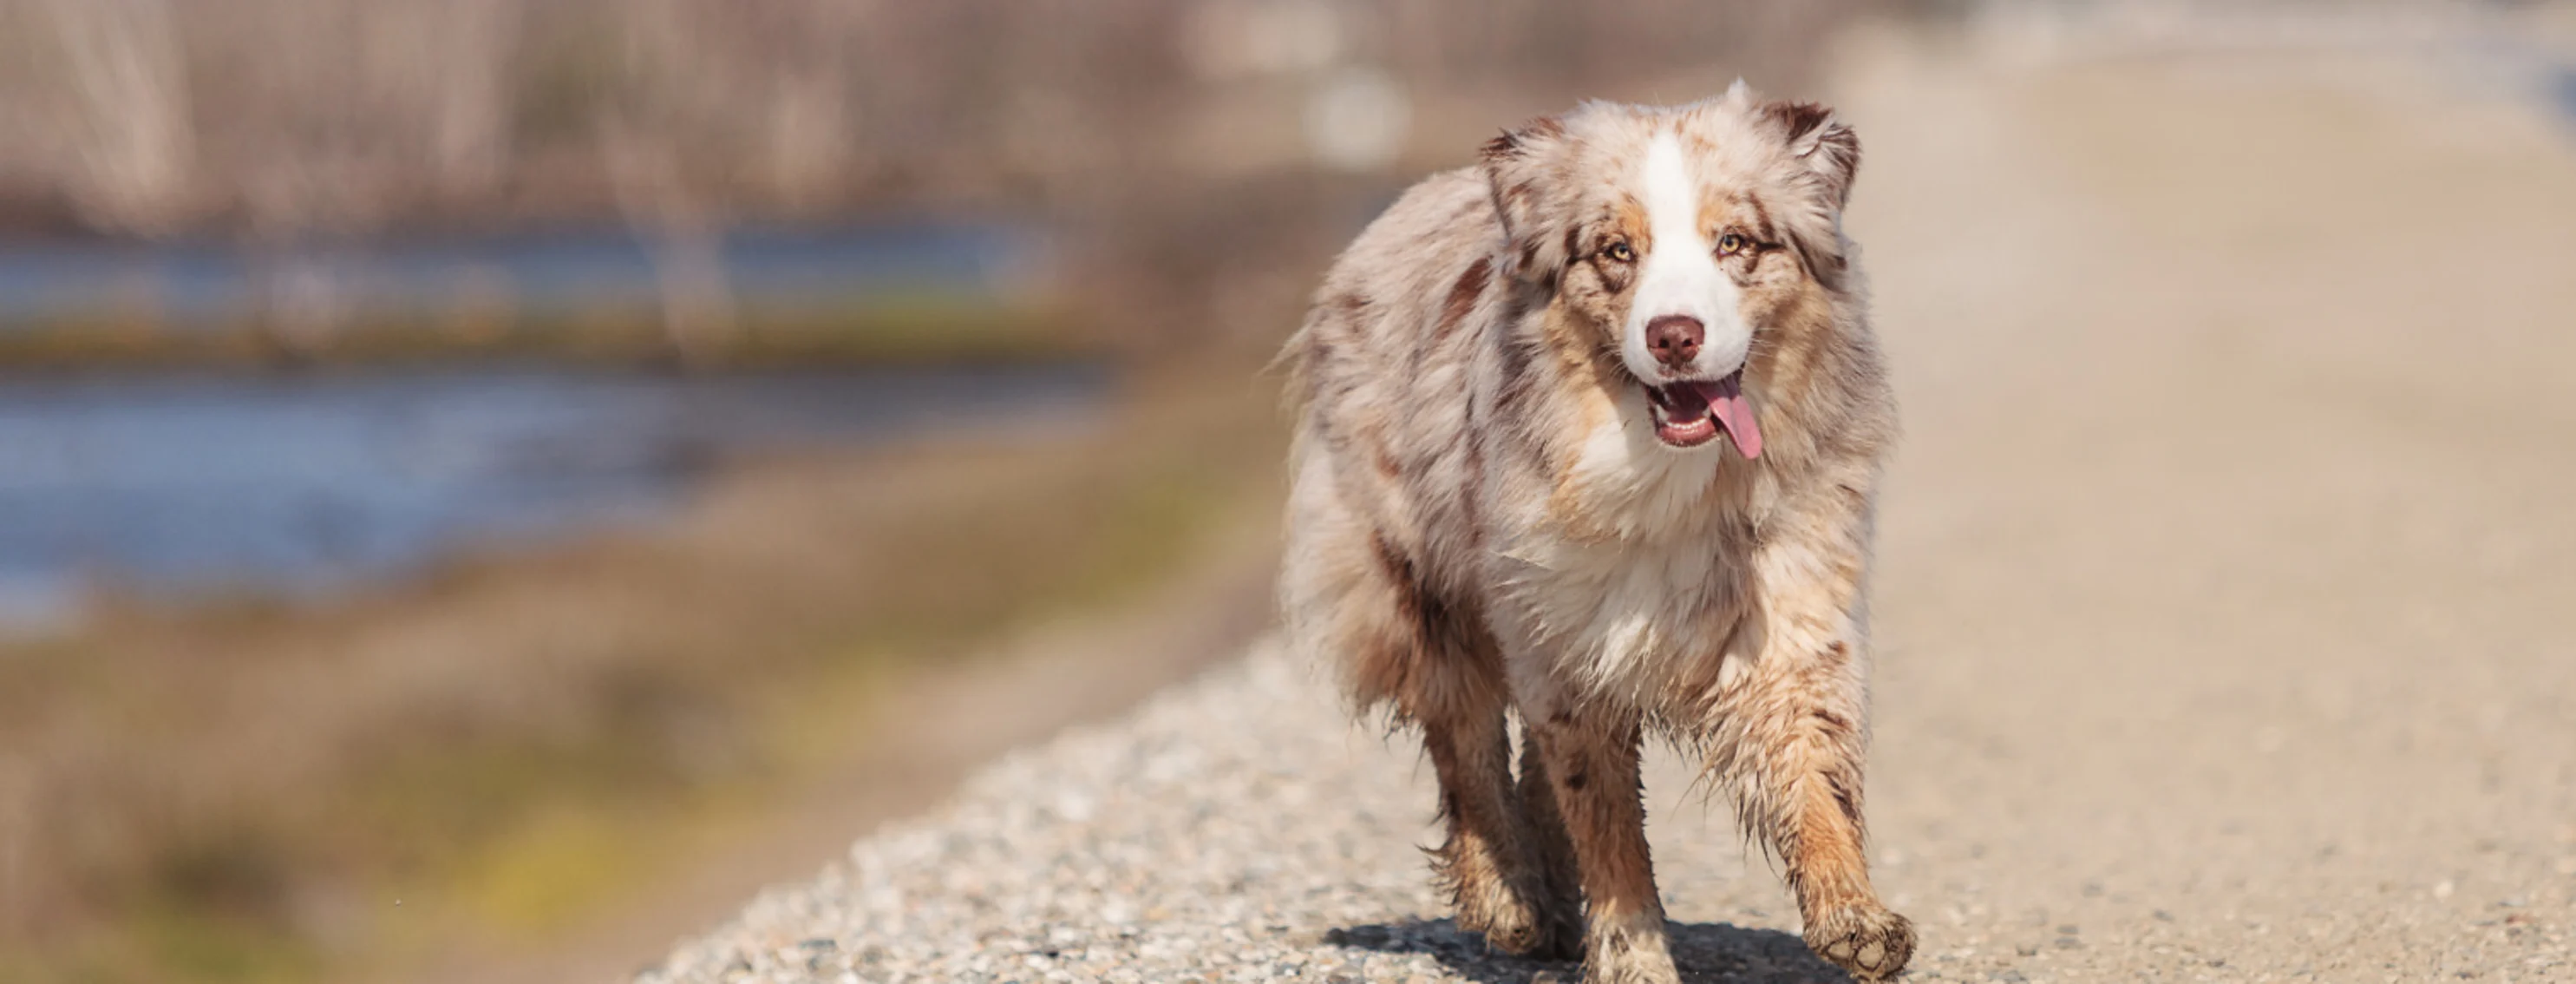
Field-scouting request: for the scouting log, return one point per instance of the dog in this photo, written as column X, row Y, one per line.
column 1591, row 435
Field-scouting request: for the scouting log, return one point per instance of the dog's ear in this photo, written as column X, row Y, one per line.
column 1520, row 166
column 1823, row 155
column 1822, row 142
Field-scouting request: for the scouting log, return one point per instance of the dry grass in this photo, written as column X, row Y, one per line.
column 239, row 794
column 279, row 119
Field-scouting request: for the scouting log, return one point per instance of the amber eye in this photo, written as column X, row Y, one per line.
column 1732, row 243
column 1620, row 253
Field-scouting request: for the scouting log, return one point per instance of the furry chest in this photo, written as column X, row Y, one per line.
column 1628, row 618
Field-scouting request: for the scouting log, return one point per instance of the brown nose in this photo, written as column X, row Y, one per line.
column 1675, row 338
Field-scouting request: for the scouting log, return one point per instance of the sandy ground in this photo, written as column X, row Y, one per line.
column 2222, row 600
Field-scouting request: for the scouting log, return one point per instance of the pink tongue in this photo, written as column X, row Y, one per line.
column 1726, row 400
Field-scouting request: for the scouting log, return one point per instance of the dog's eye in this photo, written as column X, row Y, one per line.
column 1620, row 253
column 1733, row 243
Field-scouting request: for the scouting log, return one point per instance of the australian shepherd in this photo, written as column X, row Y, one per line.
column 1591, row 435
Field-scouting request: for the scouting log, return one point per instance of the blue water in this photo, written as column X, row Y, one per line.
column 190, row 485
column 200, row 283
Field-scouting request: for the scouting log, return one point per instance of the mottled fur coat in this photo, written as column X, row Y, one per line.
column 1593, row 433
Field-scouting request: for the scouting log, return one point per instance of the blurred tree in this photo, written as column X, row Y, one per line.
column 130, row 113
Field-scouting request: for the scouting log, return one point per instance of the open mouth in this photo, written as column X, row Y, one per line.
column 1691, row 413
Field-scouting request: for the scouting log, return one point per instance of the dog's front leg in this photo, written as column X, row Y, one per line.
column 1591, row 762
column 1787, row 734
column 1801, row 791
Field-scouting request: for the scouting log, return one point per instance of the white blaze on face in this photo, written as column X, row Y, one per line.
column 1680, row 274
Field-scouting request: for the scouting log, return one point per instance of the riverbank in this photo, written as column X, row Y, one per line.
column 496, row 755
column 916, row 331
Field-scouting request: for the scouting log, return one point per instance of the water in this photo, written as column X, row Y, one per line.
column 198, row 284
column 189, row 485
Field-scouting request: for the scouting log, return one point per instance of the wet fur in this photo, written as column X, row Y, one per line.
column 1484, row 526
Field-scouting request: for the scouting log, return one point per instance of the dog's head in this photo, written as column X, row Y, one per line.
column 1680, row 239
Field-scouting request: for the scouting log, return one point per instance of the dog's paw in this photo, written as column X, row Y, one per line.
column 1869, row 942
column 1513, row 924
column 1629, row 958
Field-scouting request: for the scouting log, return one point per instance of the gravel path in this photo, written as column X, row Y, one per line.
column 1234, row 829
column 2222, row 597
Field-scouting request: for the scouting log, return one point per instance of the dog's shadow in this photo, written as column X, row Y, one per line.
column 1706, row 953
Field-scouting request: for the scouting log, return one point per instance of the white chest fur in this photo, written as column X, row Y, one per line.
column 1638, row 568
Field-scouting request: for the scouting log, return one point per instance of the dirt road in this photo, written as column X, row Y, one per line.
column 2222, row 605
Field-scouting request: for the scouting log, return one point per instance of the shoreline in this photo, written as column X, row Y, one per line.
column 489, row 758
